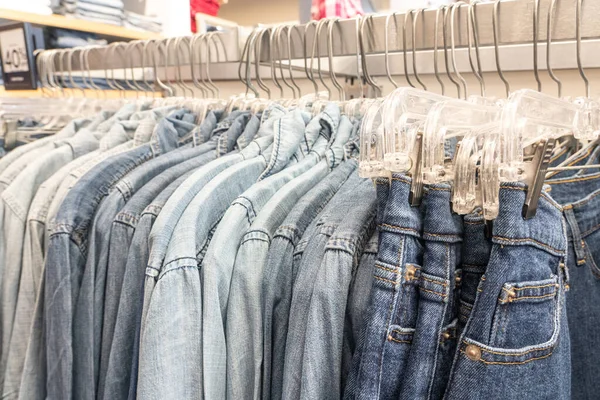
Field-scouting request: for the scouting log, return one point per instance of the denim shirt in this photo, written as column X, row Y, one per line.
column 277, row 287
column 312, row 250
column 244, row 361
column 112, row 250
column 16, row 200
column 99, row 237
column 65, row 264
column 132, row 227
column 34, row 246
column 322, row 374
column 189, row 242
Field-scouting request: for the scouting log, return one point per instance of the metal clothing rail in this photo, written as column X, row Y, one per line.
column 421, row 30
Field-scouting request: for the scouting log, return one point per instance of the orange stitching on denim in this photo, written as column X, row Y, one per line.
column 575, row 180
column 434, row 292
column 398, row 227
column 585, row 201
column 386, row 269
column 444, row 284
column 511, row 362
column 511, row 354
column 473, row 222
column 438, row 189
column 533, row 287
column 529, row 240
column 390, row 337
column 442, row 234
column 591, row 230
column 400, row 179
column 535, row 297
column 386, row 280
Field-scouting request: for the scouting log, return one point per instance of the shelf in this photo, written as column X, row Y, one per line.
column 90, row 94
column 59, row 21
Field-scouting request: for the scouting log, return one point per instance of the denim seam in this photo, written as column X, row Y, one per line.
column 575, row 180
column 132, row 224
column 526, row 240
column 473, row 222
column 275, row 155
column 15, row 207
column 255, row 238
column 394, row 178
column 487, row 362
column 443, row 295
column 590, row 231
column 393, row 339
column 532, row 297
column 386, row 269
column 398, row 227
column 523, row 353
column 175, row 269
column 444, row 284
column 543, row 194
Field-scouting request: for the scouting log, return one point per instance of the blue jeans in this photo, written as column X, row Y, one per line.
column 516, row 341
column 434, row 341
column 392, row 314
column 580, row 197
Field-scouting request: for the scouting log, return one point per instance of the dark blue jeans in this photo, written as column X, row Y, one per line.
column 580, row 197
column 434, row 342
column 392, row 316
column 516, row 341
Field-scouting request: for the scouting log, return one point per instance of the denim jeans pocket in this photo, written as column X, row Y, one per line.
column 526, row 314
column 592, row 242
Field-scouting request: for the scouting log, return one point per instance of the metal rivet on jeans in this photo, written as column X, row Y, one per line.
column 473, row 352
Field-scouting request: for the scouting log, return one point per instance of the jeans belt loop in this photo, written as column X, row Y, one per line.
column 578, row 243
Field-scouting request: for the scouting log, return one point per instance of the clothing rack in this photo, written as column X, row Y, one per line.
column 515, row 36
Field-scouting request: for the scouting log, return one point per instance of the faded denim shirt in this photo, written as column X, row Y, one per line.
column 308, row 256
column 112, row 245
column 130, row 231
column 277, row 286
column 322, row 374
column 245, row 353
column 191, row 238
column 65, row 265
column 34, row 247
column 180, row 125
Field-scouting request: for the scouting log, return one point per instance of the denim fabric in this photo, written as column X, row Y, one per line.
column 580, row 197
column 228, row 138
column 277, row 284
column 37, row 165
column 190, row 240
column 249, row 132
column 308, row 256
column 116, row 346
column 475, row 258
column 434, row 341
column 50, row 142
column 87, row 334
column 135, row 222
column 34, row 246
column 358, row 303
column 160, row 236
column 67, row 252
column 518, row 331
column 324, row 343
column 392, row 314
column 16, row 200
column 245, row 354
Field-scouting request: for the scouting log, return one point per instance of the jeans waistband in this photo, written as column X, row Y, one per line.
column 510, row 228
column 439, row 222
column 399, row 216
column 476, row 248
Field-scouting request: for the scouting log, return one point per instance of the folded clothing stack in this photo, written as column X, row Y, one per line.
column 144, row 22
column 105, row 11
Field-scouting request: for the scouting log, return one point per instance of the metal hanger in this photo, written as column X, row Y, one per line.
column 445, row 15
column 473, row 27
column 387, row 48
column 495, row 13
column 536, row 23
column 453, row 8
column 414, row 19
column 332, row 77
column 274, row 54
column 435, row 50
column 551, row 13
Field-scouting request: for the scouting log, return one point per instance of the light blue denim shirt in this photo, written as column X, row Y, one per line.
column 312, row 249
column 132, row 227
column 322, row 374
column 245, row 353
column 115, row 245
column 277, row 285
column 34, row 246
column 65, row 263
column 189, row 242
column 178, row 124
column 158, row 240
